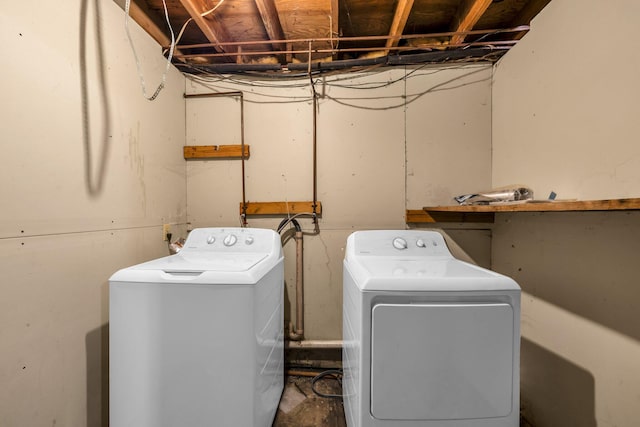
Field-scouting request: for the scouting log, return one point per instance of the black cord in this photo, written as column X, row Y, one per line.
column 337, row 375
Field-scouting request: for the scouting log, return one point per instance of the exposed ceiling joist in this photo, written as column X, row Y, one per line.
column 271, row 21
column 213, row 30
column 468, row 15
column 528, row 12
column 399, row 21
column 280, row 35
column 142, row 16
column 335, row 18
column 334, row 15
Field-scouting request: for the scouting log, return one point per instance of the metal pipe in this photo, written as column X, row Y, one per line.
column 315, row 157
column 333, row 51
column 240, row 95
column 314, row 344
column 421, row 58
column 297, row 333
column 398, row 59
column 342, row 40
column 244, row 197
column 315, row 138
column 212, row 94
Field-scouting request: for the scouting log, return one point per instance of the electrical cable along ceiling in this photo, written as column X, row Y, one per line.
column 294, row 36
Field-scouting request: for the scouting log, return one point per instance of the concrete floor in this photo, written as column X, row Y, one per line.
column 300, row 406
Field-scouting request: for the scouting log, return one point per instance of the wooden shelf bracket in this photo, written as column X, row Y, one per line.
column 280, row 208
column 215, row 151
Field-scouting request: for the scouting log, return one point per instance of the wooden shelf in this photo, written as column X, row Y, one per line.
column 485, row 213
column 280, row 208
column 215, row 152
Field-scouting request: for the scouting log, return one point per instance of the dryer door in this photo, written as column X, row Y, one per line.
column 441, row 361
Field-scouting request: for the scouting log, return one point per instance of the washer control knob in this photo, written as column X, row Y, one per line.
column 400, row 243
column 230, row 240
column 249, row 240
column 420, row 243
column 210, row 240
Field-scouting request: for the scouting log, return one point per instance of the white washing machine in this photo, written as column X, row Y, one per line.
column 196, row 339
column 429, row 340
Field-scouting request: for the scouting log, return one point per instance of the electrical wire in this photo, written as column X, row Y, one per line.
column 163, row 80
column 211, row 81
column 337, row 375
column 407, row 99
column 203, row 14
column 354, row 75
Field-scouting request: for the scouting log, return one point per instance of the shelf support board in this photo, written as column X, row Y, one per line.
column 280, row 208
column 215, row 151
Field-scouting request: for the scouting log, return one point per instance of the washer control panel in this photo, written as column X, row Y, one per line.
column 399, row 243
column 231, row 239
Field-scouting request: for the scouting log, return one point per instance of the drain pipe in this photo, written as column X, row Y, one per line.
column 297, row 333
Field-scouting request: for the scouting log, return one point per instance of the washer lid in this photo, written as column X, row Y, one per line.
column 191, row 262
column 213, row 256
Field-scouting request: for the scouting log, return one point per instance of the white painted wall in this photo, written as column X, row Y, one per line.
column 59, row 241
column 565, row 108
column 566, row 103
column 377, row 156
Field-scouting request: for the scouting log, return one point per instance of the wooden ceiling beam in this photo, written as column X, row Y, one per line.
column 528, row 12
column 468, row 15
column 399, row 22
column 271, row 21
column 210, row 26
column 335, row 16
column 142, row 16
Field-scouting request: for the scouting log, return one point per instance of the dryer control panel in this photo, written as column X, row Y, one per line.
column 398, row 243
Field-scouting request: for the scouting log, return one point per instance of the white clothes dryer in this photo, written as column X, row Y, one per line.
column 429, row 340
column 196, row 338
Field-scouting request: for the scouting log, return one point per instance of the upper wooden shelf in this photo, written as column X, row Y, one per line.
column 484, row 213
column 544, row 206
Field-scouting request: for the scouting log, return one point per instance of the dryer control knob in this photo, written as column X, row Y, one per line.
column 400, row 243
column 230, row 240
column 420, row 243
column 210, row 240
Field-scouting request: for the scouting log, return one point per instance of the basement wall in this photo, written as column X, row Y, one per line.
column 64, row 230
column 386, row 141
column 565, row 119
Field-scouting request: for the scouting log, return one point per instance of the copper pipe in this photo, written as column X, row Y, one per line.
column 315, row 344
column 300, row 373
column 244, row 197
column 360, row 38
column 339, row 50
column 241, row 96
column 315, row 139
column 213, row 94
column 315, row 162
